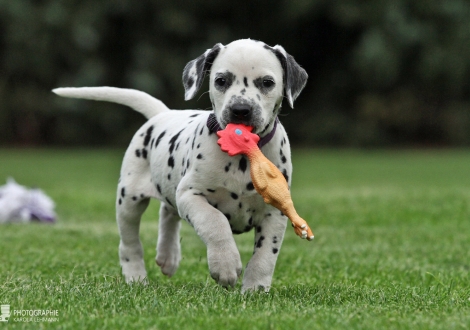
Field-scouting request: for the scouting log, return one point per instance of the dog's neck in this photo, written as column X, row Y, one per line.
column 214, row 126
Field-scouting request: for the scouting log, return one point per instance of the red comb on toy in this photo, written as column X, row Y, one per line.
column 237, row 139
column 268, row 181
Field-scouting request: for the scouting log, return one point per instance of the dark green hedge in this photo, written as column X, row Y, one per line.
column 382, row 73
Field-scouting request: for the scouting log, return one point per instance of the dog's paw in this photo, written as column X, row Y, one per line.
column 168, row 260
column 134, row 271
column 255, row 288
column 225, row 266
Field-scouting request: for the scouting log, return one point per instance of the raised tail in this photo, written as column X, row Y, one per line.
column 137, row 100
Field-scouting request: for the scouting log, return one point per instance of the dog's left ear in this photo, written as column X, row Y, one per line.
column 195, row 70
column 295, row 77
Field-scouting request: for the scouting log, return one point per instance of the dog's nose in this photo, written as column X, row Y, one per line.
column 241, row 111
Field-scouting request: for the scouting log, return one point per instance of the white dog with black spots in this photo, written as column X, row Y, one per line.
column 174, row 157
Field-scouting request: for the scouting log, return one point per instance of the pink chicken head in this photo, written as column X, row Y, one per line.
column 237, row 139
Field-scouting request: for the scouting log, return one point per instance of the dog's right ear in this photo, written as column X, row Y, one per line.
column 195, row 70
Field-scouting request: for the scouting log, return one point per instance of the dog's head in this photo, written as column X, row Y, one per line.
column 248, row 81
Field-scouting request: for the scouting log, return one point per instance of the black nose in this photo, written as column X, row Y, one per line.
column 241, row 111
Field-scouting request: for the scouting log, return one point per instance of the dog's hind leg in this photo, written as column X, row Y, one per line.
column 130, row 248
column 134, row 191
column 168, row 246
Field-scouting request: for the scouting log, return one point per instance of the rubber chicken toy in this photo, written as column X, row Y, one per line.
column 268, row 181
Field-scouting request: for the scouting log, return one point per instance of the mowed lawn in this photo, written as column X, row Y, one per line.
column 391, row 249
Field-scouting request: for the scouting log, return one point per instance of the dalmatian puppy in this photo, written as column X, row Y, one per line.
column 174, row 157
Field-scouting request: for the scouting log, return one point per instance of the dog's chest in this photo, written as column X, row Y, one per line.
column 236, row 198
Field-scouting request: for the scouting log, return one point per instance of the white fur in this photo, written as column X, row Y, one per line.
column 139, row 101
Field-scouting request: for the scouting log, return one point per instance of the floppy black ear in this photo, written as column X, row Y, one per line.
column 295, row 77
column 195, row 70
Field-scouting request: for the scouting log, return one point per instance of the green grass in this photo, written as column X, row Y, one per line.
column 391, row 249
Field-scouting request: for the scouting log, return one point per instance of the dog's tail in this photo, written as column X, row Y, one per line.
column 137, row 100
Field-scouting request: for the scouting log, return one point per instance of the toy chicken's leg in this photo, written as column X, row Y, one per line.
column 271, row 184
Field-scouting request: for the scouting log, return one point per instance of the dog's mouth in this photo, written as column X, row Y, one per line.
column 254, row 121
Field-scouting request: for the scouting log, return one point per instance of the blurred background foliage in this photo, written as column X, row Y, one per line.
column 383, row 73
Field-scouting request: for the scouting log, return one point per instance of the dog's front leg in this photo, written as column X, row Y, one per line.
column 268, row 239
column 213, row 228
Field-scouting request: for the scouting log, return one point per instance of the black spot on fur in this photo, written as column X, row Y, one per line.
column 198, row 146
column 283, row 158
column 127, row 259
column 190, row 82
column 245, row 81
column 144, row 153
column 173, row 140
column 227, row 168
column 258, row 229
column 148, row 135
column 134, row 198
column 151, row 143
column 284, row 172
column 275, row 250
column 162, row 134
column 258, row 97
column 227, row 216
column 199, row 156
column 120, row 201
column 243, row 91
column 194, row 139
column 195, row 115
column 274, row 239
column 199, row 194
column 123, row 192
column 233, row 195
column 250, row 221
column 250, row 186
column 187, row 163
column 168, row 201
column 137, row 152
column 211, row 190
column 240, row 205
column 243, row 164
column 159, row 189
column 202, row 130
column 260, row 242
column 169, row 176
column 171, row 162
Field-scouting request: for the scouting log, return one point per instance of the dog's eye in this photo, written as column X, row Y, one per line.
column 267, row 83
column 221, row 82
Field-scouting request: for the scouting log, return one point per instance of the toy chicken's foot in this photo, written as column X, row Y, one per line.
column 301, row 227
